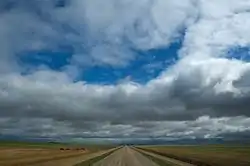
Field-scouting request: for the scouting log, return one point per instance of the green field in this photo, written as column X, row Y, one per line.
column 209, row 155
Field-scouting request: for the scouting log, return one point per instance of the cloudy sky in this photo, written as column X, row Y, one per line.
column 124, row 69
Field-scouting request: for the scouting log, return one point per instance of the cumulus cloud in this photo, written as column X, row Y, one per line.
column 221, row 25
column 203, row 95
column 99, row 32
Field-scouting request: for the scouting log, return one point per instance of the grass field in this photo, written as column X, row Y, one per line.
column 209, row 155
column 23, row 153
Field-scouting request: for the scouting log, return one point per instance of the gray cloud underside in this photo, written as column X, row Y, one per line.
column 169, row 100
column 203, row 127
column 203, row 95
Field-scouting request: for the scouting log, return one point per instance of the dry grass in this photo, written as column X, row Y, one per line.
column 24, row 156
column 25, row 153
column 207, row 155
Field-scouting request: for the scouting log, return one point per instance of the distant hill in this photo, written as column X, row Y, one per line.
column 186, row 142
column 149, row 141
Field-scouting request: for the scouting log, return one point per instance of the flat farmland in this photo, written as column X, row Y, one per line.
column 22, row 154
column 207, row 155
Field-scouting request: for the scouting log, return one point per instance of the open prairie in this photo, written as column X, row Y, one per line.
column 51, row 154
column 14, row 153
column 207, row 155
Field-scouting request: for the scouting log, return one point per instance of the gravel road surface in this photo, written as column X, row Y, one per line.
column 125, row 156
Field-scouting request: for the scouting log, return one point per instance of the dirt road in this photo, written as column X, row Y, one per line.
column 71, row 161
column 125, row 156
column 166, row 159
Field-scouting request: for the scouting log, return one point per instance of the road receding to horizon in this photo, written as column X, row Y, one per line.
column 126, row 156
column 132, row 156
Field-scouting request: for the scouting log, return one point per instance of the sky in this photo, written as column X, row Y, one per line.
column 77, row 70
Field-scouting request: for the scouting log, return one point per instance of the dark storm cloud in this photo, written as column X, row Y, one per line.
column 182, row 98
column 128, row 110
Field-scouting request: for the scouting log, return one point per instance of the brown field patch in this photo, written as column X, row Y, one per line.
column 23, row 156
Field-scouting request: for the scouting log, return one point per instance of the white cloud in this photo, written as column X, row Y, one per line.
column 221, row 25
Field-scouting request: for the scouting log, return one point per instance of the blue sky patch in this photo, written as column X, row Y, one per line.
column 240, row 53
column 54, row 60
column 147, row 65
